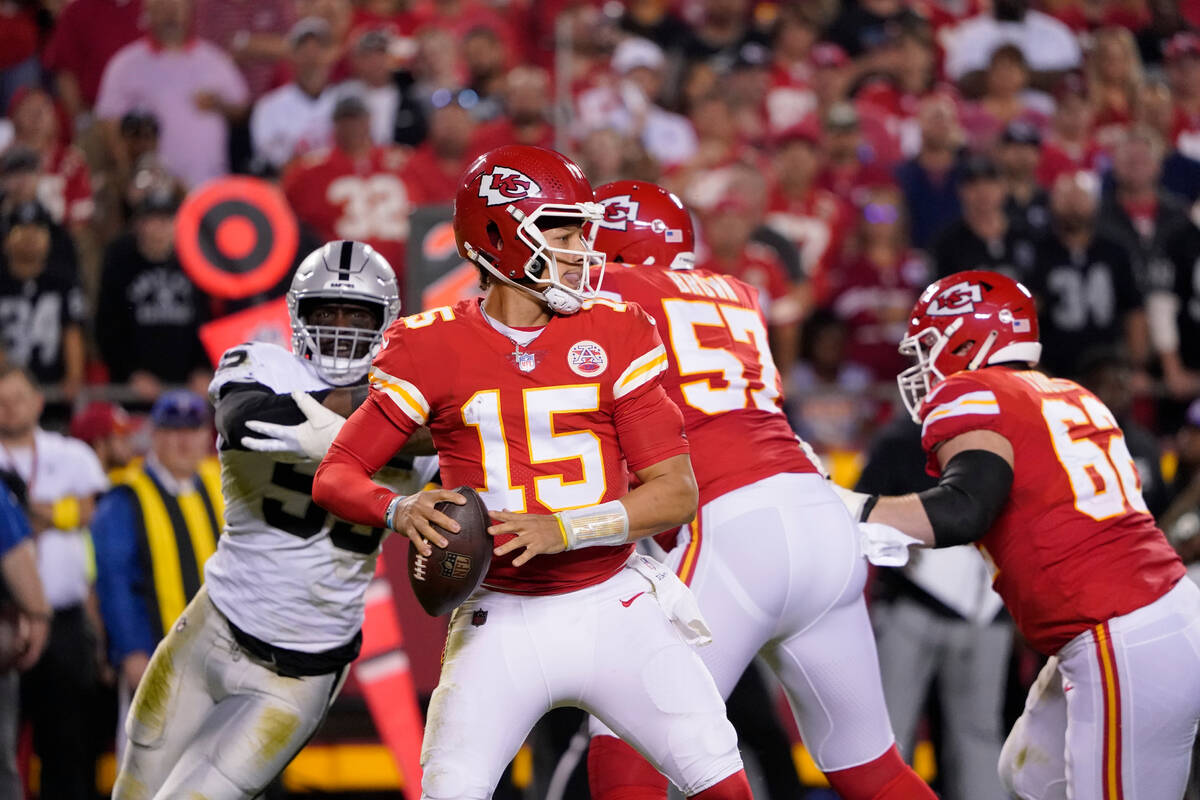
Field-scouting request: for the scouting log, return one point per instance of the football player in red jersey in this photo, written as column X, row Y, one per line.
column 773, row 560
column 541, row 396
column 1034, row 470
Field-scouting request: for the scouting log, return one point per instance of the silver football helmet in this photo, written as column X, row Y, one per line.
column 342, row 272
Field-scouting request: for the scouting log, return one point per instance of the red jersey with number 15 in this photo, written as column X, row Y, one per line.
column 536, row 429
column 721, row 375
column 1074, row 545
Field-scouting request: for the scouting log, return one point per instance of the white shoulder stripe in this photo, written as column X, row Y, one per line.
column 640, row 371
column 406, row 396
column 982, row 403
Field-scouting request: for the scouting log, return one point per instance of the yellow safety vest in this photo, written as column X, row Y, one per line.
column 179, row 530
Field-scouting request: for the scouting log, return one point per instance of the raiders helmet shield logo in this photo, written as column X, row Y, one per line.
column 505, row 185
column 618, row 211
column 955, row 300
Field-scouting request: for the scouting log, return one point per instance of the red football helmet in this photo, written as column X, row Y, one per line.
column 644, row 224
column 966, row 321
column 503, row 196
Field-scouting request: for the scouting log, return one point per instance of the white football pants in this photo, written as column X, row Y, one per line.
column 777, row 571
column 208, row 721
column 609, row 649
column 1113, row 714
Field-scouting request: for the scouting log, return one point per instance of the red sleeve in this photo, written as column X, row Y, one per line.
column 649, row 425
column 343, row 484
column 961, row 403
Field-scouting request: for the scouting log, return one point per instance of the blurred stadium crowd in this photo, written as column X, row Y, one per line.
column 839, row 155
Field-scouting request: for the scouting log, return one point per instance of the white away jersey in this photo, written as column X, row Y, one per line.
column 285, row 571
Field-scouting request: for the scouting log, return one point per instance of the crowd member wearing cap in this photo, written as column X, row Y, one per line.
column 41, row 303
column 1088, row 294
column 107, row 429
column 1183, row 73
column 724, row 26
column 149, row 312
column 190, row 85
column 852, row 166
column 929, row 180
column 61, row 477
column 295, row 118
column 985, row 237
column 630, row 104
column 1134, row 208
column 354, row 189
column 153, row 532
column 1018, row 153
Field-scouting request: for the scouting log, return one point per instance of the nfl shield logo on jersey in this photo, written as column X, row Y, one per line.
column 587, row 359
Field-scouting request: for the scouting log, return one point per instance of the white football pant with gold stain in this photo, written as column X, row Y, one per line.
column 208, row 722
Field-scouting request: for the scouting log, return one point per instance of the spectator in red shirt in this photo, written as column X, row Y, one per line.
column 19, row 42
column 1114, row 74
column 896, row 93
column 353, row 190
column 64, row 184
column 1183, row 72
column 1006, row 98
column 436, row 166
column 877, row 282
column 87, row 33
column 727, row 229
column 790, row 97
column 810, row 217
column 527, row 113
column 1069, row 146
column 851, row 168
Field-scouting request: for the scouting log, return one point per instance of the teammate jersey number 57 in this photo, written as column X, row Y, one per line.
column 750, row 380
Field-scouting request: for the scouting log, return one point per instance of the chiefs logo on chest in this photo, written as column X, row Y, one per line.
column 506, row 185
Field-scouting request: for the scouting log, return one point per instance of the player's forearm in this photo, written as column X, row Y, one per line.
column 666, row 498
column 906, row 513
column 342, row 484
column 19, row 569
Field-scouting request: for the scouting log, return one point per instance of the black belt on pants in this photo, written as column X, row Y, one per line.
column 294, row 663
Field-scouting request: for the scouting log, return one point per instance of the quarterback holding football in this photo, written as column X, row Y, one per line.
column 544, row 398
column 248, row 671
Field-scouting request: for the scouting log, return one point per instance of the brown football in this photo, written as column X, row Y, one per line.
column 446, row 578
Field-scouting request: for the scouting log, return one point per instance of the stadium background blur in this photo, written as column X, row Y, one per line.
column 839, row 155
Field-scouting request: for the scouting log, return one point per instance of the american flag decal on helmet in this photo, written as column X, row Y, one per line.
column 673, row 236
column 1021, row 326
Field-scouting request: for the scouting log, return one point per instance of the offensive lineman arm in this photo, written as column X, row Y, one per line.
column 962, row 507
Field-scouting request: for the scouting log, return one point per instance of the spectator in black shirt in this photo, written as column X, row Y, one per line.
column 149, row 313
column 41, row 303
column 1084, row 281
column 1134, row 208
column 1017, row 154
column 1174, row 310
column 984, row 238
column 723, row 30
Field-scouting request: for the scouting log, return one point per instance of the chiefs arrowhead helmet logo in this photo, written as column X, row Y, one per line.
column 957, row 299
column 618, row 212
column 506, row 185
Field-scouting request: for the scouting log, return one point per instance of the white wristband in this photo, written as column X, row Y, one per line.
column 605, row 524
column 389, row 516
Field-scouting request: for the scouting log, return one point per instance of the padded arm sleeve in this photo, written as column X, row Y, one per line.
column 973, row 488
column 241, row 402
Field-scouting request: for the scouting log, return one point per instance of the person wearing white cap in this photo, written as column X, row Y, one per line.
column 630, row 104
